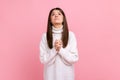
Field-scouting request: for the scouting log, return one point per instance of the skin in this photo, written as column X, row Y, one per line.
column 56, row 20
column 58, row 45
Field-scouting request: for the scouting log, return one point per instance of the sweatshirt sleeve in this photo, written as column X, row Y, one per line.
column 70, row 55
column 47, row 55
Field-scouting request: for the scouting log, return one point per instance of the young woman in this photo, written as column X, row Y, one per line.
column 58, row 48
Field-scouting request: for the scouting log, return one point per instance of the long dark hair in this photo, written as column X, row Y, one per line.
column 65, row 33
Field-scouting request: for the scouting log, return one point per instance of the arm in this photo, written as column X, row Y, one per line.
column 70, row 55
column 47, row 55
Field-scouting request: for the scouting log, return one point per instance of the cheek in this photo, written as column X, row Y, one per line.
column 62, row 19
column 51, row 19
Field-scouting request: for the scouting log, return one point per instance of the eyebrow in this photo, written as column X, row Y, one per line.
column 57, row 11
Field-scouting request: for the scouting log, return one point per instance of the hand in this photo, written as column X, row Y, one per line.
column 58, row 45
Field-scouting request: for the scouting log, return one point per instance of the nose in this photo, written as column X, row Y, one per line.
column 56, row 15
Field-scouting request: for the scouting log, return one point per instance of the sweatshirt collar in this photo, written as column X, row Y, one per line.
column 57, row 30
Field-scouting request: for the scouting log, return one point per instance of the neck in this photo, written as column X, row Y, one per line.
column 57, row 25
column 57, row 30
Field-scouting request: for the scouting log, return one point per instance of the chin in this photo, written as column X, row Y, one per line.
column 57, row 22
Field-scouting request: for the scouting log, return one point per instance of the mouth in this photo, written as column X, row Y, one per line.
column 56, row 19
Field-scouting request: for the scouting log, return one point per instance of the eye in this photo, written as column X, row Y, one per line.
column 53, row 14
column 59, row 13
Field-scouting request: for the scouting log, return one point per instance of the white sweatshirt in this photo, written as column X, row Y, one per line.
column 59, row 66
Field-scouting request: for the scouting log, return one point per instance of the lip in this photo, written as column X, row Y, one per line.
column 56, row 19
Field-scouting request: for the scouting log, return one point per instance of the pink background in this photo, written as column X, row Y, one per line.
column 96, row 24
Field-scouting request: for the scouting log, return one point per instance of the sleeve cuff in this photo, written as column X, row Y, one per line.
column 52, row 51
column 62, row 52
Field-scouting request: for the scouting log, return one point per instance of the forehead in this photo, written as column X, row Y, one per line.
column 56, row 11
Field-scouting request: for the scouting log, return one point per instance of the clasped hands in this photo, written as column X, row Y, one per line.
column 58, row 44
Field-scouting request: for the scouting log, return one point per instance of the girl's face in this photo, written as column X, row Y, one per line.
column 56, row 17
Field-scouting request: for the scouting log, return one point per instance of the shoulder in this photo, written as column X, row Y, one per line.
column 71, row 34
column 43, row 36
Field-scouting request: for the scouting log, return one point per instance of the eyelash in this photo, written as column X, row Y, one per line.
column 54, row 14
